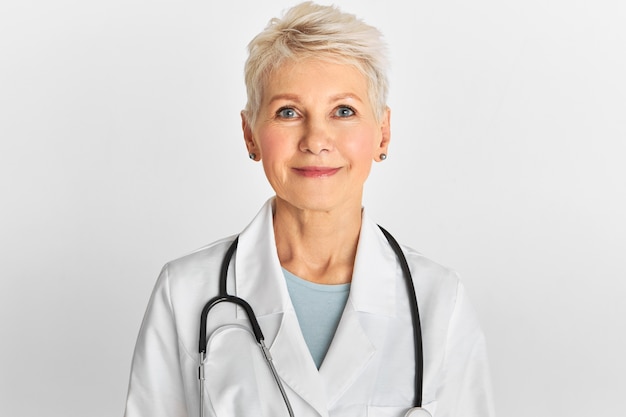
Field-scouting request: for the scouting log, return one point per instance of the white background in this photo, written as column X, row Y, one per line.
column 120, row 149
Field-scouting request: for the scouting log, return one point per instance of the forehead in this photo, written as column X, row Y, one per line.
column 315, row 79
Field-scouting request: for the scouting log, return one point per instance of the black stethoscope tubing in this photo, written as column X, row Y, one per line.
column 415, row 317
column 223, row 296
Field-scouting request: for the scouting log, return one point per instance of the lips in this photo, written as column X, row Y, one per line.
column 316, row 172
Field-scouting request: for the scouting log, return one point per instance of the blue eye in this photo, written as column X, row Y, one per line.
column 287, row 113
column 344, row 111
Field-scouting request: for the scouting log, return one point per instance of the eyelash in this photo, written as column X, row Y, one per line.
column 338, row 108
column 343, row 106
column 279, row 111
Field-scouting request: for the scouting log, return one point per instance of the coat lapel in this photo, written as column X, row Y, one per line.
column 372, row 297
column 295, row 365
column 260, row 281
column 349, row 352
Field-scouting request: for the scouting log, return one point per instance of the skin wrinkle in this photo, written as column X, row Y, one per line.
column 317, row 114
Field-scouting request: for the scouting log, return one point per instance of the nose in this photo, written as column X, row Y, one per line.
column 316, row 137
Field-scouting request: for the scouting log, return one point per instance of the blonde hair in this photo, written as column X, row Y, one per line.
column 309, row 30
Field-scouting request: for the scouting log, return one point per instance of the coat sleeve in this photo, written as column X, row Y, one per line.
column 466, row 390
column 156, row 386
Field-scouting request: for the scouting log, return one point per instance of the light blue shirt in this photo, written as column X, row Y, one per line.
column 318, row 308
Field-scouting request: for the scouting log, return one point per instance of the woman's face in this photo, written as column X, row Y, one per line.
column 317, row 134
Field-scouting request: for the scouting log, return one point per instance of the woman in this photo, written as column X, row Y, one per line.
column 323, row 280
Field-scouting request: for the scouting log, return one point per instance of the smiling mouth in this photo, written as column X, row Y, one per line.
column 316, row 172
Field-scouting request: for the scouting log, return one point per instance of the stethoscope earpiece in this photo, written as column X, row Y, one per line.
column 417, row 412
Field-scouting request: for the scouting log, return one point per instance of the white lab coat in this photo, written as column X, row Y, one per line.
column 368, row 370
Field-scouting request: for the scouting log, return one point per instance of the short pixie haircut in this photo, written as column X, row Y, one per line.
column 309, row 30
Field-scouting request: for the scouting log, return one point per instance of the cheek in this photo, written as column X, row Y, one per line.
column 274, row 145
column 361, row 145
column 270, row 142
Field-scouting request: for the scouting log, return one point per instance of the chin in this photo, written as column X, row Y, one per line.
column 319, row 202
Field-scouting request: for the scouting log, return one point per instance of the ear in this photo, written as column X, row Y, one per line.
column 248, row 137
column 385, row 137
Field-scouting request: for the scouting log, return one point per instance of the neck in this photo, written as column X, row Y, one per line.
column 318, row 246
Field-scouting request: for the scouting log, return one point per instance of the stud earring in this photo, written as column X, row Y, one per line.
column 252, row 156
column 383, row 156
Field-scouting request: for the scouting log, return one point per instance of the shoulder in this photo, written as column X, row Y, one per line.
column 432, row 280
column 196, row 272
column 437, row 286
column 184, row 286
column 205, row 258
column 427, row 268
column 442, row 295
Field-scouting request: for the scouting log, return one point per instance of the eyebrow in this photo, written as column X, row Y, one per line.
column 290, row 97
column 344, row 96
column 296, row 98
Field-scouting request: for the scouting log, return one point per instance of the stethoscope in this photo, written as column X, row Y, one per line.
column 223, row 296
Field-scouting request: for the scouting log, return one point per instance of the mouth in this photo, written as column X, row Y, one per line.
column 316, row 172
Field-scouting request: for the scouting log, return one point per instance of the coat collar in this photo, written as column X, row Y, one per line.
column 259, row 276
column 260, row 281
